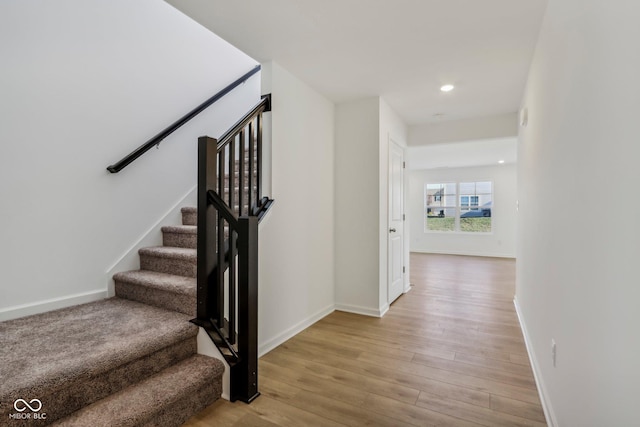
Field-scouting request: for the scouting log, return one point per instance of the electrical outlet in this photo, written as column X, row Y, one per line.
column 553, row 352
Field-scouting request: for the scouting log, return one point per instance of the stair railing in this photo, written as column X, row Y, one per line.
column 156, row 140
column 230, row 205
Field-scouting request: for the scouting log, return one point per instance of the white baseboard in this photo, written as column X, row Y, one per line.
column 465, row 253
column 407, row 288
column 130, row 260
column 542, row 390
column 365, row 311
column 51, row 304
column 383, row 310
column 272, row 343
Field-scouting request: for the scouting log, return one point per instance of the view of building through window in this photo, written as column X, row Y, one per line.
column 463, row 206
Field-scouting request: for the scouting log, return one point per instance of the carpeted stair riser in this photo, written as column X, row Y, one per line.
column 177, row 261
column 189, row 215
column 176, row 293
column 100, row 348
column 166, row 399
column 185, row 236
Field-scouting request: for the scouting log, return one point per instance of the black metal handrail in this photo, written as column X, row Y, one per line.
column 230, row 205
column 129, row 158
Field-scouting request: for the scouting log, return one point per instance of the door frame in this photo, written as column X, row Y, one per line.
column 393, row 223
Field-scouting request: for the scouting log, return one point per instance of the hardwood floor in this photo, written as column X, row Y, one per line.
column 448, row 353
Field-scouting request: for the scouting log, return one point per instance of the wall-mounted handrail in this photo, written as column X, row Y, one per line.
column 125, row 161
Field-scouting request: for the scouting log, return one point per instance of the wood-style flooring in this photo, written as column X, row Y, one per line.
column 448, row 353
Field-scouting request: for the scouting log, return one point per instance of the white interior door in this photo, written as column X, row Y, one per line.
column 396, row 221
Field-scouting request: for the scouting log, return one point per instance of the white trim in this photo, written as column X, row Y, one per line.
column 383, row 310
column 466, row 253
column 407, row 288
column 208, row 348
column 390, row 148
column 266, row 347
column 130, row 260
column 51, row 304
column 365, row 311
column 542, row 390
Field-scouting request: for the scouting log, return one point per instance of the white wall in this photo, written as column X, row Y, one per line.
column 84, row 83
column 501, row 126
column 501, row 242
column 577, row 275
column 296, row 237
column 357, row 206
column 363, row 129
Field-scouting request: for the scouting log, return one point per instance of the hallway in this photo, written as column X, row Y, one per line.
column 450, row 352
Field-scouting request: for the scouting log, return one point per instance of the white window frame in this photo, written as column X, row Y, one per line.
column 459, row 208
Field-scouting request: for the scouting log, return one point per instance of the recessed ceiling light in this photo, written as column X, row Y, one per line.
column 501, row 161
column 446, row 88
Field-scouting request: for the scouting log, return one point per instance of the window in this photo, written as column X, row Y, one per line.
column 463, row 207
column 440, row 203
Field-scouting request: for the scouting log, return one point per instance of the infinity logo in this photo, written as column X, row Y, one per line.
column 35, row 408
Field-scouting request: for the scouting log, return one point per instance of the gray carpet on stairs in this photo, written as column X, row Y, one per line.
column 170, row 260
column 177, row 293
column 168, row 398
column 72, row 357
column 124, row 361
column 180, row 236
column 189, row 215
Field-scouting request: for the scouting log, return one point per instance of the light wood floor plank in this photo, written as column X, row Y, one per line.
column 517, row 379
column 448, row 353
column 516, row 407
column 341, row 371
column 388, row 345
column 316, row 384
column 413, row 414
column 335, row 410
column 525, row 394
column 483, row 416
column 474, row 347
column 515, row 368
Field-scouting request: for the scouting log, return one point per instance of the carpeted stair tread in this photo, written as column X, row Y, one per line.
column 181, row 229
column 166, row 399
column 161, row 281
column 97, row 347
column 168, row 291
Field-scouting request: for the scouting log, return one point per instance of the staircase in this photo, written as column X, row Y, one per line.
column 167, row 275
column 130, row 360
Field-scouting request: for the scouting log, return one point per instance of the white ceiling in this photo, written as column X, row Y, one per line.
column 402, row 50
